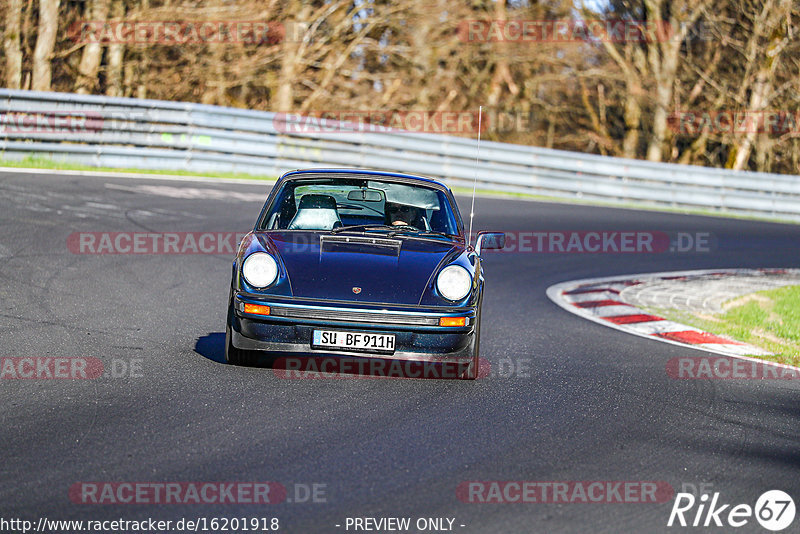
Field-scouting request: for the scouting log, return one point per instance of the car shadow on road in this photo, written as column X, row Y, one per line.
column 211, row 346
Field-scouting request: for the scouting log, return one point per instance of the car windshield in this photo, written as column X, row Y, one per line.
column 339, row 204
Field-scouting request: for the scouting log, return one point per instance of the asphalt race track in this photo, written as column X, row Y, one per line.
column 594, row 404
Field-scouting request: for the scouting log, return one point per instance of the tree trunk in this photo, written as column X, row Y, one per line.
column 92, row 53
column 758, row 101
column 139, row 74
column 11, row 44
column 292, row 52
column 633, row 117
column 665, row 85
column 762, row 90
column 45, row 41
column 502, row 74
column 116, row 56
column 663, row 57
column 631, row 72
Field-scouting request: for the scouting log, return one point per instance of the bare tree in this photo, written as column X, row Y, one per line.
column 116, row 55
column 45, row 42
column 663, row 58
column 607, row 96
column 631, row 61
column 93, row 51
column 11, row 44
column 763, row 59
column 294, row 47
column 502, row 74
column 651, row 65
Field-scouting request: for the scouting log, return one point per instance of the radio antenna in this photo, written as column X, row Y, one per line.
column 475, row 181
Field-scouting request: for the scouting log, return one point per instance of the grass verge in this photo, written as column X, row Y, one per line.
column 767, row 319
column 40, row 162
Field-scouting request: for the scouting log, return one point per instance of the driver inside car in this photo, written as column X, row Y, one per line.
column 402, row 215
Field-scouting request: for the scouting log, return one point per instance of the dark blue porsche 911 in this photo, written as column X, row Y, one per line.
column 358, row 264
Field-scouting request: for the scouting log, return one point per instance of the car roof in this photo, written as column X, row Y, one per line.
column 300, row 173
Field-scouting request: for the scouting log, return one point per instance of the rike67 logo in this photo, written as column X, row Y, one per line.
column 774, row 510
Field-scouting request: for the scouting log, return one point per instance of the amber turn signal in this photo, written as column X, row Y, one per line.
column 257, row 309
column 452, row 321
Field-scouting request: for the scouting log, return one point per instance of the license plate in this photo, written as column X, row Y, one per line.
column 358, row 341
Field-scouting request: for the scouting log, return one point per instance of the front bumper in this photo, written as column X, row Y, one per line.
column 289, row 328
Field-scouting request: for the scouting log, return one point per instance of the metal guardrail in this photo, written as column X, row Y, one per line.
column 152, row 134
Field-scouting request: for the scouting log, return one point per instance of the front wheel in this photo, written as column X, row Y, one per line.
column 234, row 356
column 471, row 373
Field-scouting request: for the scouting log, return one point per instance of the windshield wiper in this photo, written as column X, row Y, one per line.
column 361, row 227
column 397, row 229
column 417, row 232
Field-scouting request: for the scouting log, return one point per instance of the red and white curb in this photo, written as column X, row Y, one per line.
column 598, row 300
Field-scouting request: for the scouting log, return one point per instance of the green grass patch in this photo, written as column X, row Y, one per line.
column 767, row 319
column 42, row 162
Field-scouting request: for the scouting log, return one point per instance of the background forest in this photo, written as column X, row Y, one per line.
column 706, row 60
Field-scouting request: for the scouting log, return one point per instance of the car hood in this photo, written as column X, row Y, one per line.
column 362, row 268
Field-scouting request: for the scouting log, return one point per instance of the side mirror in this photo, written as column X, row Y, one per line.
column 490, row 240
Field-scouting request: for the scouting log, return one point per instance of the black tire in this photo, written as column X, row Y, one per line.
column 472, row 370
column 234, row 356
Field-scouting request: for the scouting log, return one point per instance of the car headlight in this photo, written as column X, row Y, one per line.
column 454, row 282
column 260, row 269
